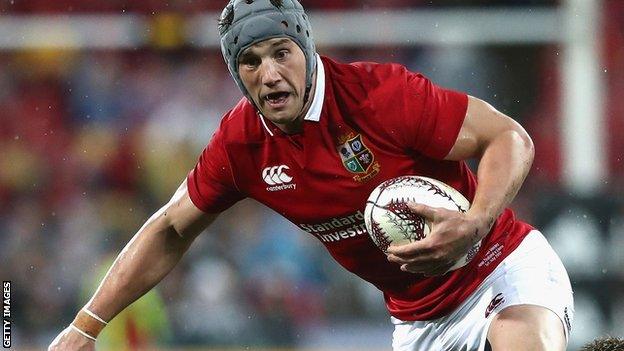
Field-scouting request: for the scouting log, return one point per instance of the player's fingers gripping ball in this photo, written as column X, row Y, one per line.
column 390, row 221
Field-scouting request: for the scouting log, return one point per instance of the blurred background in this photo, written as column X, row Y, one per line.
column 106, row 105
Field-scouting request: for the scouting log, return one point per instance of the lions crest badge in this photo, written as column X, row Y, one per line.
column 357, row 157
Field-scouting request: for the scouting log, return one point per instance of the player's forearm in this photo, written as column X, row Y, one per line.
column 150, row 255
column 146, row 259
column 503, row 166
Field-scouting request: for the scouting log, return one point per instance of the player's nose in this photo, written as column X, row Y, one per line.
column 270, row 73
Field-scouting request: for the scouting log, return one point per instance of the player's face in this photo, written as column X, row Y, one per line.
column 274, row 73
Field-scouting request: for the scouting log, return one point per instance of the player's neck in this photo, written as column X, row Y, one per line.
column 294, row 127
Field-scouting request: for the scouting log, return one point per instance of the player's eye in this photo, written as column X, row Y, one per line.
column 250, row 62
column 281, row 54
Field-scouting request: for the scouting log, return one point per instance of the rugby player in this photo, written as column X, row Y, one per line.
column 310, row 139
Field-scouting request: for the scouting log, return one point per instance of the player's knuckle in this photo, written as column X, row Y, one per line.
column 428, row 246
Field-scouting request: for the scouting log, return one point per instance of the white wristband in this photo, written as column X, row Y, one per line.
column 94, row 316
column 81, row 332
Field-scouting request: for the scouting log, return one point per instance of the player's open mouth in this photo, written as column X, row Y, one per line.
column 277, row 100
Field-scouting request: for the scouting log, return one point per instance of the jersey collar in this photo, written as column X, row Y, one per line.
column 314, row 112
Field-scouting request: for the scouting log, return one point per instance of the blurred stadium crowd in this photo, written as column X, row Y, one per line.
column 93, row 142
column 192, row 6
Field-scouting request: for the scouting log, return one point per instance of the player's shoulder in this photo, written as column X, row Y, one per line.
column 365, row 72
column 240, row 124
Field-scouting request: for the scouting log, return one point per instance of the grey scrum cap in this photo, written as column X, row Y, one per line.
column 246, row 22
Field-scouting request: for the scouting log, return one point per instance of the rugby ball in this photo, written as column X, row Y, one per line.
column 389, row 220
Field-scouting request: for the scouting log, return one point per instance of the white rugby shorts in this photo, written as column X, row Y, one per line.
column 532, row 274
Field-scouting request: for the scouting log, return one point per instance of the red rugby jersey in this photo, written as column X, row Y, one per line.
column 368, row 123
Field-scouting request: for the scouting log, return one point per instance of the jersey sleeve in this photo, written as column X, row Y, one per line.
column 428, row 117
column 211, row 185
column 434, row 116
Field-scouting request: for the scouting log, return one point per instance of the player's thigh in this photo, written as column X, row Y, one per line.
column 527, row 328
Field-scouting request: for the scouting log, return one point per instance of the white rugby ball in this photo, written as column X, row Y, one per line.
column 389, row 220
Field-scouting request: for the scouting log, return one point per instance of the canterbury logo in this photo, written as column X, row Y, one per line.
column 275, row 175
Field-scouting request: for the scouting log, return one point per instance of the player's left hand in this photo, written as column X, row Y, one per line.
column 452, row 235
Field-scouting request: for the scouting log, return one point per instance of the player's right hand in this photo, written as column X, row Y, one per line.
column 452, row 235
column 71, row 340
